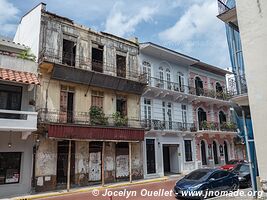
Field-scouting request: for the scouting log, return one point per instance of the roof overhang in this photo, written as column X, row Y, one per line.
column 158, row 51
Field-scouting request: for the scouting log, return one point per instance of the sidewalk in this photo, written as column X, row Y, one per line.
column 91, row 188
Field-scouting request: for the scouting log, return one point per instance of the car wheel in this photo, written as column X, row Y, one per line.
column 234, row 187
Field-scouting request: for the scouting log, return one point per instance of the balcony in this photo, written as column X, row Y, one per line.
column 211, row 93
column 185, row 90
column 13, row 120
column 227, row 14
column 154, row 124
column 85, row 119
column 84, row 70
column 237, row 85
column 216, row 127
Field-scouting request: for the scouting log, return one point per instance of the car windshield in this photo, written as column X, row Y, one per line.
column 196, row 175
column 242, row 168
column 232, row 162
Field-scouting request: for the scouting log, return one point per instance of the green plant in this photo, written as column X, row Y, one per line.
column 97, row 116
column 27, row 55
column 204, row 125
column 119, row 119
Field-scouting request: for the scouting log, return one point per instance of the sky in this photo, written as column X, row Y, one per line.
column 187, row 26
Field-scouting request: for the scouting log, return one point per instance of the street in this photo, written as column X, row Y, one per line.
column 133, row 191
column 157, row 190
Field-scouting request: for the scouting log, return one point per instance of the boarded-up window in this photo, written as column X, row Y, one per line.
column 97, row 99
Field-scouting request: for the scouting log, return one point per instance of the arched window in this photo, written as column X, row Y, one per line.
column 215, row 153
column 161, row 78
column 147, row 71
column 219, row 90
column 203, row 152
column 202, row 117
column 222, row 117
column 199, row 86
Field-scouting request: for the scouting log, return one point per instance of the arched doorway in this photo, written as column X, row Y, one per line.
column 226, row 158
column 202, row 116
column 215, row 153
column 199, row 86
column 203, row 152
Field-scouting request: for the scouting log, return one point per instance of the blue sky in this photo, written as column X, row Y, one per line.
column 187, row 26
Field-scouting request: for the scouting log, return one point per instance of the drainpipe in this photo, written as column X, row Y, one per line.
column 252, row 175
column 130, row 161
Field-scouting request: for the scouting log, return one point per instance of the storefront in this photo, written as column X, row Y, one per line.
column 15, row 164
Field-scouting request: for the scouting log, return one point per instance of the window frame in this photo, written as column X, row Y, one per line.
column 190, row 153
column 18, row 169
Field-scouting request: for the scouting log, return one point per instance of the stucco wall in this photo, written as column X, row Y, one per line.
column 26, row 147
column 252, row 19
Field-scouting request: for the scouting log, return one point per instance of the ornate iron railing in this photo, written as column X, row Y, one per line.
column 215, row 126
column 222, row 7
column 84, row 118
column 237, row 85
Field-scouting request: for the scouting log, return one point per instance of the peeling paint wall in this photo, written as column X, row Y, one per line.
column 137, row 161
column 81, row 162
column 109, row 162
column 46, row 165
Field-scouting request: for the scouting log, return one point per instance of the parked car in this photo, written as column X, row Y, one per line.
column 205, row 180
column 243, row 172
column 231, row 164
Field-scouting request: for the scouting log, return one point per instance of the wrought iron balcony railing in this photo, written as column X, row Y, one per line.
column 215, row 126
column 175, row 86
column 237, row 85
column 84, row 118
column 154, row 124
column 83, row 62
column 222, row 7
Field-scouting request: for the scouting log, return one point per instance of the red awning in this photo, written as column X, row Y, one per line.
column 18, row 76
column 95, row 133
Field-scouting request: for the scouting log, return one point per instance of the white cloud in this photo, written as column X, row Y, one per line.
column 199, row 33
column 8, row 13
column 122, row 24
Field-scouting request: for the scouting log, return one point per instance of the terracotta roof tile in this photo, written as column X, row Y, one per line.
column 18, row 76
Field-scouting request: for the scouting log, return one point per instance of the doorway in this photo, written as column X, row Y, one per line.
column 215, row 153
column 95, row 161
column 62, row 162
column 226, row 158
column 170, row 158
column 203, row 153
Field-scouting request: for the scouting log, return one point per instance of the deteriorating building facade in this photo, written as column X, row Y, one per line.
column 89, row 129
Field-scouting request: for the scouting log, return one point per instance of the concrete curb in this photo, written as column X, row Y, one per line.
column 87, row 189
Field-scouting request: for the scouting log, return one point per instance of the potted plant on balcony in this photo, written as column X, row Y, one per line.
column 97, row 116
column 231, row 126
column 204, row 125
column 119, row 119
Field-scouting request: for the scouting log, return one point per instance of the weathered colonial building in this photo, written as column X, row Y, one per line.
column 187, row 109
column 18, row 119
column 88, row 103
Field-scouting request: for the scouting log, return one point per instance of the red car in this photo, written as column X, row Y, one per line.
column 231, row 164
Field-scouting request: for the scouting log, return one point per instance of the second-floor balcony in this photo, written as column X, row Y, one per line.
column 15, row 120
column 86, row 119
column 217, row 127
column 154, row 124
column 205, row 126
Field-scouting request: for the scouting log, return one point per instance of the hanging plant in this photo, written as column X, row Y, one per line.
column 97, row 116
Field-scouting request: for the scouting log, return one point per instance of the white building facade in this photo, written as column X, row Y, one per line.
column 179, row 136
